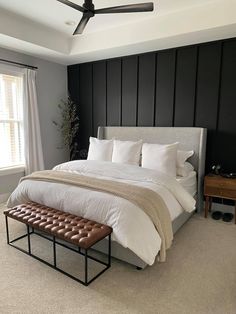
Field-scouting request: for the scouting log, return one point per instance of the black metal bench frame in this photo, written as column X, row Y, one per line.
column 52, row 238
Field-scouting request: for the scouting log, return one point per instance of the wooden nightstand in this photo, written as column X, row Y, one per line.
column 217, row 186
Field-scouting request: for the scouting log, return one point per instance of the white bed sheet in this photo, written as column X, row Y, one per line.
column 132, row 228
column 189, row 183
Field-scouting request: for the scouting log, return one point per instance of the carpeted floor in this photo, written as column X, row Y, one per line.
column 199, row 277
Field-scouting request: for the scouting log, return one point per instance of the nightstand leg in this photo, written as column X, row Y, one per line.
column 235, row 212
column 206, row 206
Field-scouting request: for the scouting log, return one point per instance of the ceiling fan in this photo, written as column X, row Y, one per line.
column 89, row 11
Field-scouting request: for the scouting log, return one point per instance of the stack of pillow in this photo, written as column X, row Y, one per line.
column 165, row 158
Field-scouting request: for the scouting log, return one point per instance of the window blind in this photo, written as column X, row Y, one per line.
column 11, row 121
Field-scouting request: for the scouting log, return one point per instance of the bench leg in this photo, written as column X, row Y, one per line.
column 109, row 250
column 7, row 229
column 28, row 236
column 54, row 252
column 86, row 267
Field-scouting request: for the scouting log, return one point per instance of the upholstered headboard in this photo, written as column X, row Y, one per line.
column 188, row 138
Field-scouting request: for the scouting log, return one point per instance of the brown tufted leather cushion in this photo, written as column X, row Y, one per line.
column 77, row 230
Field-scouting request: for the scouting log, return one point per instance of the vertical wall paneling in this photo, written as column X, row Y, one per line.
column 185, row 86
column 209, row 63
column 99, row 95
column 129, row 90
column 114, row 92
column 85, row 105
column 226, row 136
column 73, row 81
column 73, row 87
column 196, row 86
column 208, row 85
column 146, row 89
column 165, row 79
column 137, row 90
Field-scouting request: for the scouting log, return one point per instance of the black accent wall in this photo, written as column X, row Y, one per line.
column 186, row 86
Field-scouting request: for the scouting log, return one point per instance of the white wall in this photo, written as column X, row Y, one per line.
column 51, row 87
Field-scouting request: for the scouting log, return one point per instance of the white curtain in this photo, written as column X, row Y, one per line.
column 32, row 135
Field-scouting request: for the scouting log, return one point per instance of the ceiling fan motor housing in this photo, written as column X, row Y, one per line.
column 88, row 5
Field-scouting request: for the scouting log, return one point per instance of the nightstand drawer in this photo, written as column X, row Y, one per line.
column 219, row 182
column 222, row 183
column 220, row 192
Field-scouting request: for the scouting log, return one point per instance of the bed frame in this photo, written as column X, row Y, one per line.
column 189, row 139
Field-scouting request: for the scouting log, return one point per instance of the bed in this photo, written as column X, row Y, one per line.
column 188, row 138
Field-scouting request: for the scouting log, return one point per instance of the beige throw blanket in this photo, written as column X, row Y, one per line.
column 149, row 201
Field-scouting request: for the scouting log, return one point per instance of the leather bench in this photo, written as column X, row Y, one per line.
column 82, row 233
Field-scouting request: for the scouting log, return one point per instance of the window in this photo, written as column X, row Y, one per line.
column 11, row 120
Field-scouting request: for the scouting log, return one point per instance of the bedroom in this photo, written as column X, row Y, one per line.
column 163, row 76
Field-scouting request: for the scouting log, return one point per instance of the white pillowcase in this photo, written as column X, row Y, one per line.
column 185, row 170
column 160, row 157
column 100, row 149
column 182, row 156
column 127, row 152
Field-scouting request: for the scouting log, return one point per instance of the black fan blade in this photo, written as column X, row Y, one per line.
column 72, row 5
column 83, row 22
column 130, row 8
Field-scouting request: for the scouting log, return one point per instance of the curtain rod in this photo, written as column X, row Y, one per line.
column 20, row 64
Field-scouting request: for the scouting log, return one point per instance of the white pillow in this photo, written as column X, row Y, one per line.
column 100, row 149
column 127, row 152
column 182, row 156
column 185, row 170
column 160, row 157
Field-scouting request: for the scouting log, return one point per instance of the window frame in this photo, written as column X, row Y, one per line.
column 18, row 72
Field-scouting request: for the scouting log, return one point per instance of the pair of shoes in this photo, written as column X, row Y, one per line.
column 227, row 217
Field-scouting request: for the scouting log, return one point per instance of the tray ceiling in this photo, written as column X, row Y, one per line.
column 38, row 27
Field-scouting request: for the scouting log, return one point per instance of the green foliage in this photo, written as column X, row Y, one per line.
column 69, row 124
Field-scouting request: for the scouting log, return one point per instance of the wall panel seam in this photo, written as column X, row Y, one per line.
column 92, row 100
column 106, row 92
column 155, row 90
column 137, row 97
column 121, row 90
column 174, row 91
column 219, row 86
column 196, row 87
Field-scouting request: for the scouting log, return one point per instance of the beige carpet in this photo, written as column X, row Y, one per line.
column 199, row 277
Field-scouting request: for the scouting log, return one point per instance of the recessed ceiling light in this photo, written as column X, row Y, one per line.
column 70, row 23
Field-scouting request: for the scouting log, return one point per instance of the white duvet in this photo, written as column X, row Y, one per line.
column 132, row 228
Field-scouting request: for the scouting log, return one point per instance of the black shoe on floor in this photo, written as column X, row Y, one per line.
column 217, row 215
column 227, row 217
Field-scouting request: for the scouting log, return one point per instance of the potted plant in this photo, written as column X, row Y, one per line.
column 69, row 126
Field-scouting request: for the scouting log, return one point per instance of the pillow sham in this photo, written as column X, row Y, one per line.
column 127, row 152
column 100, row 149
column 185, row 170
column 160, row 157
column 182, row 157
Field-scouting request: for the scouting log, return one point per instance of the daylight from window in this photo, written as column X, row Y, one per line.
column 11, row 121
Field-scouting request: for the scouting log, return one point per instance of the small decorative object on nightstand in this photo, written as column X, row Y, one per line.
column 218, row 186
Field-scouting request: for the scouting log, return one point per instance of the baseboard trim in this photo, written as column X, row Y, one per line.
column 4, row 197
